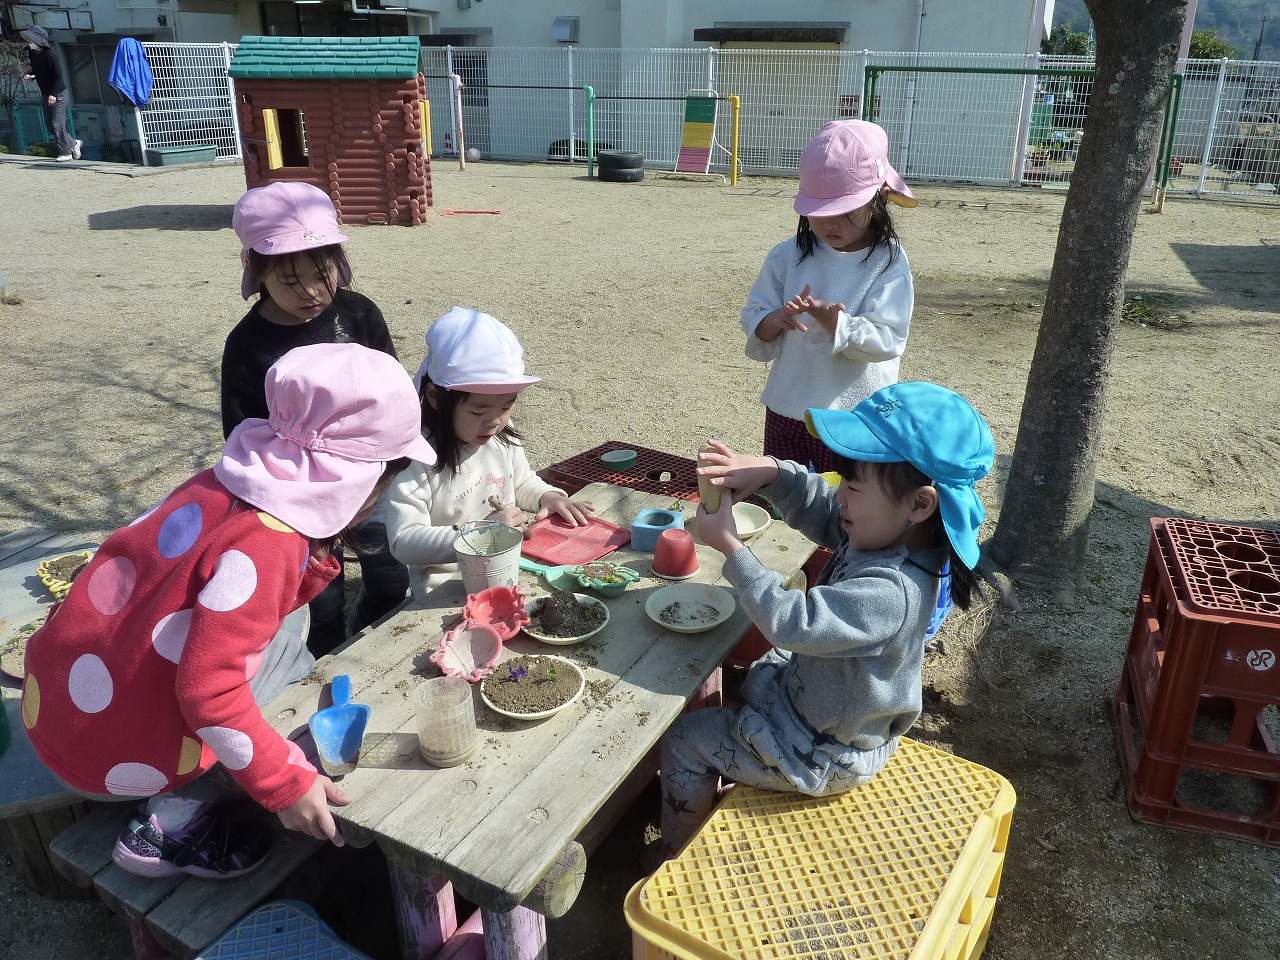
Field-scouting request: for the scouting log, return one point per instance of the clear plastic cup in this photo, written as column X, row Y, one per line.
column 447, row 734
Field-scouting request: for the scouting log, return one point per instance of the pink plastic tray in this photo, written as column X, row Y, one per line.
column 553, row 541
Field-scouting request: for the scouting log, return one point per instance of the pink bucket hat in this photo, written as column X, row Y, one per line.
column 339, row 411
column 281, row 218
column 472, row 351
column 843, row 168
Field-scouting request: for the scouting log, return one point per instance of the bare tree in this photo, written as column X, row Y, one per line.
column 1042, row 534
column 13, row 67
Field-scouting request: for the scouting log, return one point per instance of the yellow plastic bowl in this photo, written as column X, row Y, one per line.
column 54, row 582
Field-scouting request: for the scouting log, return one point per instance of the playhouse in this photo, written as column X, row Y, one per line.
column 344, row 113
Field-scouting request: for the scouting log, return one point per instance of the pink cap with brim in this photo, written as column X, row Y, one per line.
column 474, row 352
column 281, row 218
column 338, row 413
column 844, row 167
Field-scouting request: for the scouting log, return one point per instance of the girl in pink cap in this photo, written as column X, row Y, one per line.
column 293, row 260
column 831, row 308
column 468, row 383
column 150, row 671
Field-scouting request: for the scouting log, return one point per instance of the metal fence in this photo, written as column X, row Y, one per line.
column 988, row 119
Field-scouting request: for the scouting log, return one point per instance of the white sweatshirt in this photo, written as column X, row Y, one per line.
column 424, row 503
column 815, row 369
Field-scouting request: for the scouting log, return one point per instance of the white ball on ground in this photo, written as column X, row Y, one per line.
column 473, row 154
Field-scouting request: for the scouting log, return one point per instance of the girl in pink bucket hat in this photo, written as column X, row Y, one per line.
column 152, row 668
column 291, row 251
column 831, row 308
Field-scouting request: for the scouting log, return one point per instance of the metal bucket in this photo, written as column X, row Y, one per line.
column 488, row 555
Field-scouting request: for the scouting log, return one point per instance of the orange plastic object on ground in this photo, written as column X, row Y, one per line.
column 1201, row 682
column 905, row 867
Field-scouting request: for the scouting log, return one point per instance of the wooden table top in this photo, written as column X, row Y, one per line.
column 495, row 824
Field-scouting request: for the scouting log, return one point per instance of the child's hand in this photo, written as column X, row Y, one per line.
column 719, row 530
column 738, row 474
column 827, row 314
column 778, row 322
column 574, row 511
column 310, row 813
column 511, row 515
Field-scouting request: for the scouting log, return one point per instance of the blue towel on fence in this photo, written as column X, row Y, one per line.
column 130, row 72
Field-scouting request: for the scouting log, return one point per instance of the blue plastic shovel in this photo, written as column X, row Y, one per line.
column 339, row 730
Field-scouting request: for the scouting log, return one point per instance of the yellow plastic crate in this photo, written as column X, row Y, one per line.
column 904, row 867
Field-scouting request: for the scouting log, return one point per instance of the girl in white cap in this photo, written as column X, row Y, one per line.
column 293, row 260
column 150, row 671
column 468, row 384
column 831, row 308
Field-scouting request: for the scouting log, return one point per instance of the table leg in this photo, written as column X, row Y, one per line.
column 425, row 913
column 518, row 935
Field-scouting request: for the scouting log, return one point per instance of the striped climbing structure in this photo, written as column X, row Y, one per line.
column 698, row 135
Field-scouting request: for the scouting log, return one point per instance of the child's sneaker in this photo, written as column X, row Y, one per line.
column 75, row 151
column 211, row 846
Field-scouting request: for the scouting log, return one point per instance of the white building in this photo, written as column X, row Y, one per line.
column 86, row 31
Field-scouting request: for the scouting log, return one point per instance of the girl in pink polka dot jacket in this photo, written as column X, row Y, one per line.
column 151, row 670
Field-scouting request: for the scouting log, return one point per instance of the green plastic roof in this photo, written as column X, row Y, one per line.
column 326, row 58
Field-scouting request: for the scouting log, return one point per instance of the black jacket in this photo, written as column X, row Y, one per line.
column 44, row 65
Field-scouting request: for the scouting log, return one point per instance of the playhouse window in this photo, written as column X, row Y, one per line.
column 286, row 138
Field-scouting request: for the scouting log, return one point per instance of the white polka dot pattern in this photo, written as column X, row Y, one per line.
column 170, row 635
column 233, row 747
column 135, row 780
column 234, row 580
column 89, row 684
column 112, row 585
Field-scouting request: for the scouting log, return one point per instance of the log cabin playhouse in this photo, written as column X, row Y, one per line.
column 344, row 113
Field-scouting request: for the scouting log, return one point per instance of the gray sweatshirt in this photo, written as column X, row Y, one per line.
column 849, row 652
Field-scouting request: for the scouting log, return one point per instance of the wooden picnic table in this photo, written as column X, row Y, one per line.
column 503, row 827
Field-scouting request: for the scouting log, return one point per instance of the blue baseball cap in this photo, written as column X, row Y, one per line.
column 934, row 429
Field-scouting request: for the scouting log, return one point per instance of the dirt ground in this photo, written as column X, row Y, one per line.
column 121, row 291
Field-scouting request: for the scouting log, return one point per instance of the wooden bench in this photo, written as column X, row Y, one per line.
column 34, row 805
column 176, row 916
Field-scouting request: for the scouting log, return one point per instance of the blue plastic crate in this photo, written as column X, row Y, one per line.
column 280, row 930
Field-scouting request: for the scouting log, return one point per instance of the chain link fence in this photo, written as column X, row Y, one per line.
column 987, row 119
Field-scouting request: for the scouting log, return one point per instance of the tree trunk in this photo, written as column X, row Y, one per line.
column 1043, row 532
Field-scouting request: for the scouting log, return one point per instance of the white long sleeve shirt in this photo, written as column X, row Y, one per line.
column 816, row 369
column 424, row 503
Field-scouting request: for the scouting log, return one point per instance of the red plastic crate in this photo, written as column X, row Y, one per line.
column 1201, row 678
column 654, row 472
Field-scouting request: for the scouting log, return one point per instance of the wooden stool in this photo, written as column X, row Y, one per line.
column 907, row 865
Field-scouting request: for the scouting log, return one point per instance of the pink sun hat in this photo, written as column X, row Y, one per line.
column 338, row 413
column 284, row 217
column 844, row 167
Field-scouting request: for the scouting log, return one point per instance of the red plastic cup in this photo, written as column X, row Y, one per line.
column 674, row 555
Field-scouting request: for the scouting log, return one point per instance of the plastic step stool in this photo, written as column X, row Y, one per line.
column 907, row 867
column 1201, row 675
column 280, row 930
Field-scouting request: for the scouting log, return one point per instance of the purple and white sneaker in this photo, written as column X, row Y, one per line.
column 210, row 846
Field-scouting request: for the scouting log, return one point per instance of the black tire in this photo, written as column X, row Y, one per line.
column 620, row 160
column 622, row 176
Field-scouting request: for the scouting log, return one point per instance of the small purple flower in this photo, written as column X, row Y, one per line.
column 518, row 673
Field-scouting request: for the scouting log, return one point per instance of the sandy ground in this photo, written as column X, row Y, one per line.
column 626, row 298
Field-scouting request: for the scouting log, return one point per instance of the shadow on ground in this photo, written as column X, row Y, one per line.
column 161, row 216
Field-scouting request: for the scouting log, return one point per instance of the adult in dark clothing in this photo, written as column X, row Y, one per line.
column 291, row 247
column 53, row 90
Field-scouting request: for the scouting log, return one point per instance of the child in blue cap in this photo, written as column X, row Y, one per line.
column 825, row 708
